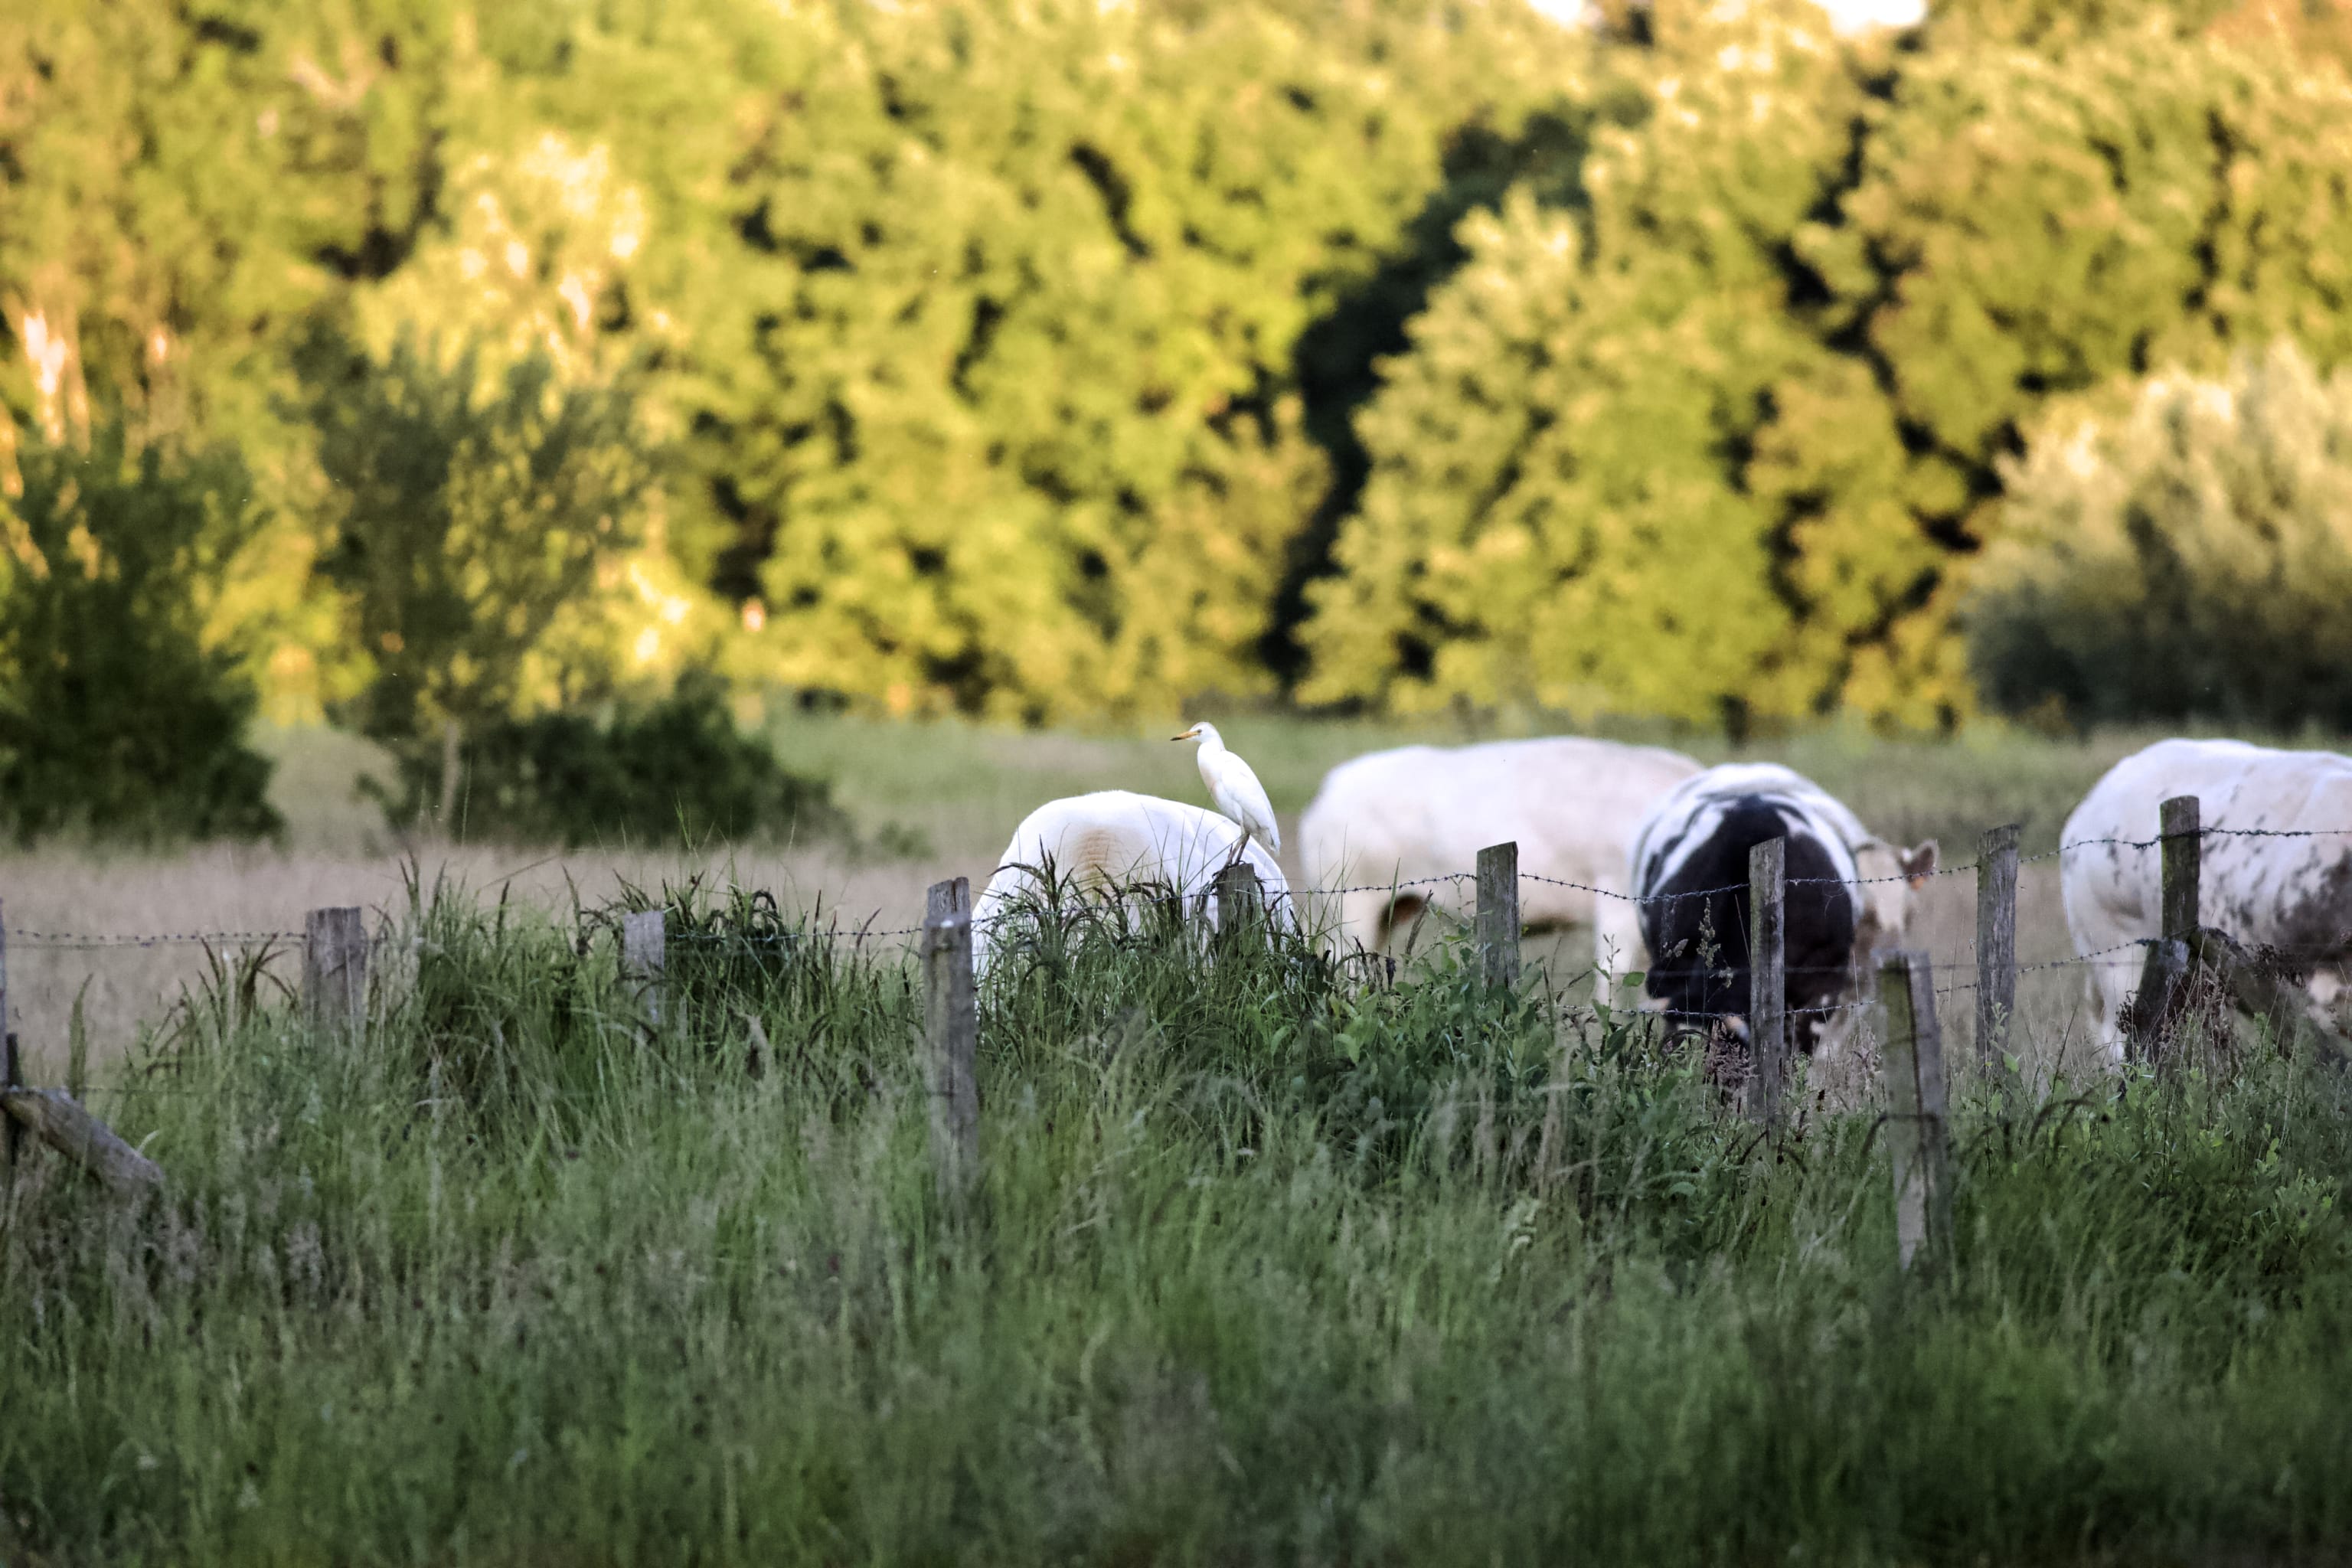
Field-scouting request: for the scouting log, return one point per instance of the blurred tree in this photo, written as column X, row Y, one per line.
column 1013, row 425
column 179, row 188
column 2024, row 228
column 465, row 523
column 117, row 717
column 1727, row 446
column 2189, row 557
column 1554, row 513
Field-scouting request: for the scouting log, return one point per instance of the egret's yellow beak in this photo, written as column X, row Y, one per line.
column 1187, row 735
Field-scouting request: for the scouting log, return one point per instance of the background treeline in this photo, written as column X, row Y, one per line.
column 1047, row 360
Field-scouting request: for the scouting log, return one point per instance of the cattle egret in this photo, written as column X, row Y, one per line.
column 1233, row 788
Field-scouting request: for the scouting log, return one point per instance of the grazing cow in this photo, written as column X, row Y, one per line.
column 1689, row 867
column 2289, row 893
column 1116, row 843
column 1392, row 817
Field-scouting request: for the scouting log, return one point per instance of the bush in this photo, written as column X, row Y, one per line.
column 115, row 717
column 672, row 769
column 2189, row 560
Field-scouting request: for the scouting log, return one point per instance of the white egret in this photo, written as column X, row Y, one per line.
column 1233, row 788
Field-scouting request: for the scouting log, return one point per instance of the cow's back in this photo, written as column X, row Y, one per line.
column 1695, row 910
column 1568, row 801
column 2290, row 890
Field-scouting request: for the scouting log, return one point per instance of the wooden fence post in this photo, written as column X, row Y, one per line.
column 1996, row 945
column 952, row 897
column 2182, row 842
column 1499, row 914
column 1241, row 899
column 1915, row 1112
column 1767, row 980
column 951, row 1029
column 2164, row 976
column 334, row 969
column 645, row 954
column 58, row 1121
column 10, row 1068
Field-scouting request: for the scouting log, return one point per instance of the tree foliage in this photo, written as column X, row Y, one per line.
column 466, row 524
column 117, row 718
column 2189, row 557
column 1061, row 360
column 674, row 769
column 1729, row 446
column 1017, row 430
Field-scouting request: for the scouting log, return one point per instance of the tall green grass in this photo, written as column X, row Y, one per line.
column 1274, row 1260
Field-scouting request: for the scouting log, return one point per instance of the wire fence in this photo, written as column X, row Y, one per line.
column 107, row 984
column 1397, row 888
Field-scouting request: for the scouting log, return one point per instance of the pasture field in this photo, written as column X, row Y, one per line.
column 1273, row 1261
column 1268, row 1266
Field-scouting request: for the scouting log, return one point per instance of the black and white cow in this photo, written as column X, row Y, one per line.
column 1848, row 893
column 2292, row 893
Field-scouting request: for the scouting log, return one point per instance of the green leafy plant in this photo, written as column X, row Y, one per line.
column 2188, row 558
column 117, row 717
column 654, row 772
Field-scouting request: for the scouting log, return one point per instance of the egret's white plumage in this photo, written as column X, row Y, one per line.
column 1234, row 788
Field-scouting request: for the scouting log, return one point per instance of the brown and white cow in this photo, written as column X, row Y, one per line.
column 2290, row 893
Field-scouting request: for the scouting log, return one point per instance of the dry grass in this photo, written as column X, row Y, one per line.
column 219, row 889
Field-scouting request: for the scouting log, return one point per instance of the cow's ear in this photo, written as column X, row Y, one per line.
column 1918, row 863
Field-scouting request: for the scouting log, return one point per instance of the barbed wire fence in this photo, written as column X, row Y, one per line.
column 1914, row 987
column 1441, row 891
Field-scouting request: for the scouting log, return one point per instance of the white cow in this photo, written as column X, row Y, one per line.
column 1395, row 817
column 1114, row 842
column 2289, row 893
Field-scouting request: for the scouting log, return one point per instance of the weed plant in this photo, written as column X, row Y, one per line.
column 1275, row 1260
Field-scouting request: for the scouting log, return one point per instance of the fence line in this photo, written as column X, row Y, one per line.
column 95, row 940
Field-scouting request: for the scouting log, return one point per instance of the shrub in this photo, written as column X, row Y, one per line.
column 2190, row 559
column 472, row 510
column 674, row 768
column 115, row 717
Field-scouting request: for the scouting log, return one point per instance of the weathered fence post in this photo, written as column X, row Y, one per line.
column 2182, row 842
column 9, row 1067
column 1241, row 899
column 952, row 897
column 1767, row 980
column 645, row 954
column 951, row 1029
column 334, row 969
column 1499, row 914
column 1996, row 944
column 58, row 1121
column 12, row 1068
column 2164, row 977
column 1915, row 1111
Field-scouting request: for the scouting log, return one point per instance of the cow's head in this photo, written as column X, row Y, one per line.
column 1890, row 876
